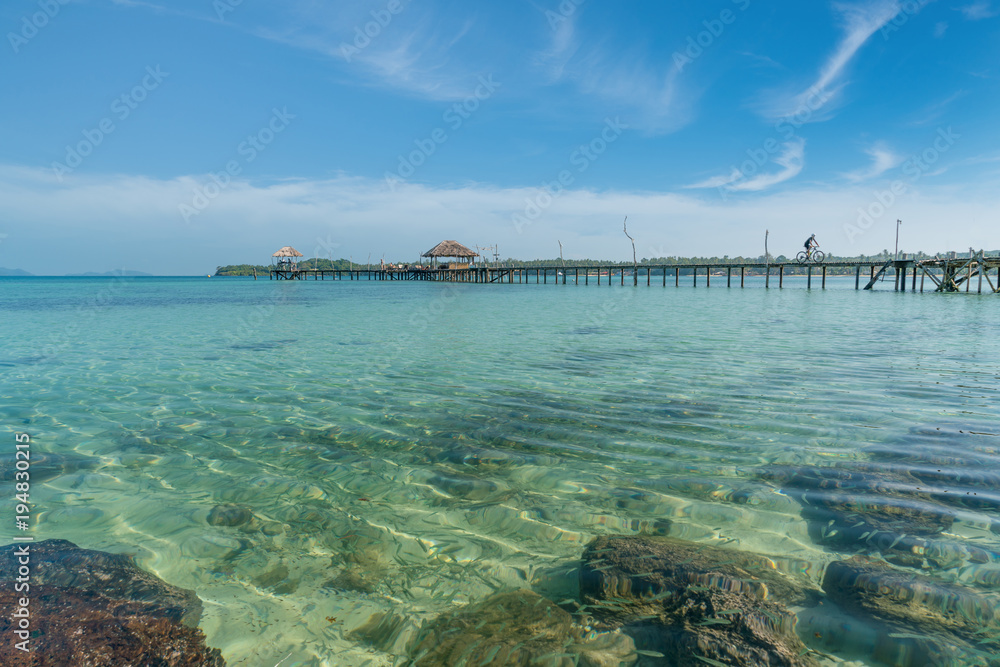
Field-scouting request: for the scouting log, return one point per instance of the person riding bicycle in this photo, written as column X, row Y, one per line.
column 810, row 245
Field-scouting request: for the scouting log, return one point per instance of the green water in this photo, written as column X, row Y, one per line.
column 431, row 444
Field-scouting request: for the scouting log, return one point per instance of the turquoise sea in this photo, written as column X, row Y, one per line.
column 413, row 447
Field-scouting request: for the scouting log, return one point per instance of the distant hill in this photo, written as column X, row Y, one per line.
column 109, row 274
column 14, row 272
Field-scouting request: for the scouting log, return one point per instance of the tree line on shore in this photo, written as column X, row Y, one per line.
column 558, row 263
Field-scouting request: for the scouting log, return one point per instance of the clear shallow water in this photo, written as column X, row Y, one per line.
column 417, row 446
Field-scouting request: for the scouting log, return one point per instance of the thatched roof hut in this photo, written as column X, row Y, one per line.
column 450, row 249
column 285, row 258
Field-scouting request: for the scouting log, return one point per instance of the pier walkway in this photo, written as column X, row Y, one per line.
column 974, row 273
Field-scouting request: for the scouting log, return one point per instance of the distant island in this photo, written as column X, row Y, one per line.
column 110, row 274
column 21, row 273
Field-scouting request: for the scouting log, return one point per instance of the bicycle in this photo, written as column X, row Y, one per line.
column 814, row 256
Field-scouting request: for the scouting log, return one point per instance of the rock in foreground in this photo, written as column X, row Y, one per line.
column 86, row 629
column 517, row 628
column 694, row 603
column 933, row 623
column 95, row 609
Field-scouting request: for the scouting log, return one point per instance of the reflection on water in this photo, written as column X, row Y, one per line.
column 383, row 455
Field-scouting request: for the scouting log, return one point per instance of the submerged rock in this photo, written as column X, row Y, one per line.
column 229, row 515
column 389, row 631
column 62, row 563
column 71, row 626
column 940, row 618
column 694, row 603
column 47, row 466
column 92, row 609
column 516, row 628
column 464, row 486
column 872, row 510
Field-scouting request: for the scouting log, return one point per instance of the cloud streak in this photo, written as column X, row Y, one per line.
column 882, row 160
column 791, row 160
column 860, row 22
column 978, row 11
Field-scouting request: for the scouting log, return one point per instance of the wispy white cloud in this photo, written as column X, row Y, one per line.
column 860, row 22
column 622, row 78
column 883, row 159
column 791, row 160
column 411, row 54
column 762, row 60
column 933, row 112
column 716, row 181
column 977, row 11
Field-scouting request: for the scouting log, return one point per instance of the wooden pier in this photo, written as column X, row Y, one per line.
column 943, row 275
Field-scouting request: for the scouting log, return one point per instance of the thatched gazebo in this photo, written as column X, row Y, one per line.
column 284, row 259
column 452, row 250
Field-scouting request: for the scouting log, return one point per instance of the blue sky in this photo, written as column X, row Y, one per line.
column 172, row 138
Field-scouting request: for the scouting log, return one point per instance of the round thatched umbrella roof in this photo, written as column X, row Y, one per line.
column 287, row 251
column 450, row 249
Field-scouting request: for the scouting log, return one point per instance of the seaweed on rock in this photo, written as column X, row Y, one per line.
column 92, row 609
column 694, row 603
column 517, row 628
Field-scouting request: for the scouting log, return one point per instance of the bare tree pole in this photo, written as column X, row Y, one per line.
column 635, row 262
column 560, row 253
column 767, row 259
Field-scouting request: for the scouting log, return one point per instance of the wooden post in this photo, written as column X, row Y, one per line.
column 857, row 277
column 623, row 277
column 729, row 276
column 695, row 276
column 980, row 278
column 824, row 277
column 677, row 276
column 809, row 278
column 922, row 273
column 708, row 276
column 913, row 288
column 586, row 276
column 743, row 271
column 781, row 276
column 649, row 276
column 576, row 275
column 664, row 276
column 767, row 277
column 873, row 272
